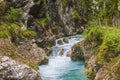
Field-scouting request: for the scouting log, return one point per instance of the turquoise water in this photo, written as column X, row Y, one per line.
column 61, row 67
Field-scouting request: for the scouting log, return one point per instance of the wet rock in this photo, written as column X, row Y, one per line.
column 44, row 61
column 13, row 70
column 69, row 53
column 65, row 40
column 61, row 51
column 60, row 42
column 77, row 53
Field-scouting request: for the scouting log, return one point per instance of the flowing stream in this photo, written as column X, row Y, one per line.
column 60, row 67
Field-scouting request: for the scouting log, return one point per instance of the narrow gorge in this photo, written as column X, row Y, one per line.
column 59, row 39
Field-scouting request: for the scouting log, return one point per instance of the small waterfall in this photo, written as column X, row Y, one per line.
column 63, row 45
column 60, row 67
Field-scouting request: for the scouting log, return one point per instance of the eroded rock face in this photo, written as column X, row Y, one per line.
column 110, row 71
column 26, row 5
column 96, row 70
column 33, row 52
column 62, row 16
column 13, row 70
column 91, row 67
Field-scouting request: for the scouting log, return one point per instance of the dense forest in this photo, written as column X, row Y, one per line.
column 29, row 28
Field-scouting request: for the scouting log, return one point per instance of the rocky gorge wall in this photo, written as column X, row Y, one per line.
column 100, row 53
column 50, row 19
column 59, row 18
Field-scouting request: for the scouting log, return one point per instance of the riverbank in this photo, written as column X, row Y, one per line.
column 101, row 53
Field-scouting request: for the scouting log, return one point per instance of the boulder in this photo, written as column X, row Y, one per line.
column 65, row 40
column 77, row 53
column 60, row 42
column 14, row 70
column 61, row 51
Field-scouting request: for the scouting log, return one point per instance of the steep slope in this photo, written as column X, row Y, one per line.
column 101, row 53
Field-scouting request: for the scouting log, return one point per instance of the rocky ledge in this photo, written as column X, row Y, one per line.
column 14, row 70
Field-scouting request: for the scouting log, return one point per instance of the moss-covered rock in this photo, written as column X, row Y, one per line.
column 101, row 51
column 77, row 53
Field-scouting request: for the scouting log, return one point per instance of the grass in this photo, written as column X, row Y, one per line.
column 107, row 41
column 8, row 49
column 14, row 31
column 14, row 15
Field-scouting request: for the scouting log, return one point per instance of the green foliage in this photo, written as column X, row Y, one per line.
column 107, row 41
column 43, row 22
column 4, row 33
column 110, row 46
column 76, row 15
column 112, row 39
column 94, row 34
column 2, row 8
column 28, row 34
column 118, row 2
column 15, row 32
column 64, row 3
column 14, row 15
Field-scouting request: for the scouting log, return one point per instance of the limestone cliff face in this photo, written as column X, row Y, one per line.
column 62, row 16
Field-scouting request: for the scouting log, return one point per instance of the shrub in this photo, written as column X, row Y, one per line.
column 110, row 46
column 15, row 32
column 14, row 15
column 94, row 34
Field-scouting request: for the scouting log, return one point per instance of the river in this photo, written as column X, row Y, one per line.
column 61, row 67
